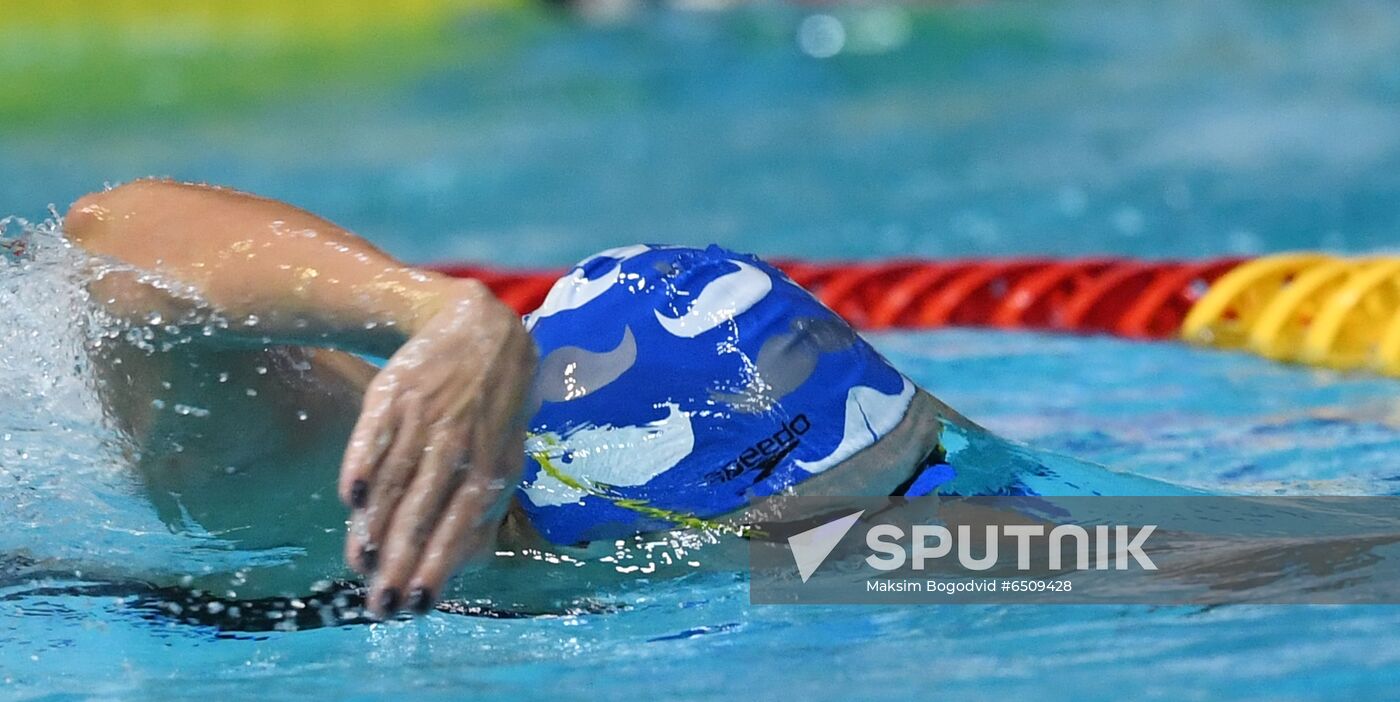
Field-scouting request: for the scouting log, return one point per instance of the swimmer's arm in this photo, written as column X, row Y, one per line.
column 262, row 271
column 435, row 455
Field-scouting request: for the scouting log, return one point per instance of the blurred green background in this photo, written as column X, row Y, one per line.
column 532, row 133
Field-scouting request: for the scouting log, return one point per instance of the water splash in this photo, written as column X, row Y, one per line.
column 68, row 494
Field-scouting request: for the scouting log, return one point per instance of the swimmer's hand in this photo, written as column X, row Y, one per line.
column 437, row 450
column 436, row 454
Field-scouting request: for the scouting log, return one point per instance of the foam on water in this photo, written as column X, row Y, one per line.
column 68, row 495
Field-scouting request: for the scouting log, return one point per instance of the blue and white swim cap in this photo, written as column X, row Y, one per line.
column 679, row 384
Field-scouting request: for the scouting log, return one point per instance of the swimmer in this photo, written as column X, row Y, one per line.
column 656, row 388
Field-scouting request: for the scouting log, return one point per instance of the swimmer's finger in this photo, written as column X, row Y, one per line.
column 414, row 520
column 390, row 478
column 467, row 529
column 469, row 524
column 371, row 438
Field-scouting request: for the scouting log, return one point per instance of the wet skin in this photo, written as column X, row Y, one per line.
column 433, row 448
column 250, row 416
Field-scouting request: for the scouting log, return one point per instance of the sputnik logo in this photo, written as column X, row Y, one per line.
column 810, row 548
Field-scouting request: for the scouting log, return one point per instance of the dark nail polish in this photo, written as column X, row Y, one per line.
column 420, row 600
column 359, row 494
column 369, row 557
column 389, row 600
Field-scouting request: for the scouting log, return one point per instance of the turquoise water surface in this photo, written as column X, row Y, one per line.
column 1190, row 130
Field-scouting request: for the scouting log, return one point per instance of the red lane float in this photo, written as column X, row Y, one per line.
column 1309, row 307
column 1131, row 298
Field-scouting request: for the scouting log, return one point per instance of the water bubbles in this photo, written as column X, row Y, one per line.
column 250, row 392
column 158, row 403
column 223, row 376
column 855, row 30
column 1244, row 241
column 261, row 370
column 302, row 415
column 1129, row 221
column 880, row 29
column 251, row 321
column 821, row 36
column 190, row 411
column 154, row 318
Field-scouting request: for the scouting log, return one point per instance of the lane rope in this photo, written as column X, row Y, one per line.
column 1301, row 307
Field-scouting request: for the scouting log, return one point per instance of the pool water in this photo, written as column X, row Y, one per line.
column 1199, row 129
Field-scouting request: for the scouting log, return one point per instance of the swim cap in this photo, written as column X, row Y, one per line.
column 678, row 384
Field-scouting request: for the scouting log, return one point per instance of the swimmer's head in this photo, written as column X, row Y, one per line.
column 677, row 385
